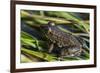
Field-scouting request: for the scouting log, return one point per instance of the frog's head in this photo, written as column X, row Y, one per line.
column 47, row 28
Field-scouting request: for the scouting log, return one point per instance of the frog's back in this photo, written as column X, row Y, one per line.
column 61, row 38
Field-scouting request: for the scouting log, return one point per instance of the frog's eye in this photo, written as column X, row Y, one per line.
column 51, row 23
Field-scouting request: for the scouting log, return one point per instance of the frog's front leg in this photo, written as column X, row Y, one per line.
column 51, row 46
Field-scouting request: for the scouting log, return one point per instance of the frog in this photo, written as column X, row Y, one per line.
column 68, row 44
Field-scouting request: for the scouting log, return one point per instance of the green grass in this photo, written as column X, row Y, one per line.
column 33, row 48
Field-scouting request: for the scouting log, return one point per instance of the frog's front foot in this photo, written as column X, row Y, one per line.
column 51, row 46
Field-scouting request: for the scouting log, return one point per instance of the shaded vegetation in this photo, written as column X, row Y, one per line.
column 33, row 45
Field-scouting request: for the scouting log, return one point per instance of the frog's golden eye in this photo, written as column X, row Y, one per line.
column 51, row 23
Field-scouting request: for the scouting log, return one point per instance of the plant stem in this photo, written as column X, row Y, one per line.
column 25, row 14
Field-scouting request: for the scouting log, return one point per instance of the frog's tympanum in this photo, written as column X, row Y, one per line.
column 67, row 43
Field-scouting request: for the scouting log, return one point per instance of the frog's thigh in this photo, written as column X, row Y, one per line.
column 64, row 52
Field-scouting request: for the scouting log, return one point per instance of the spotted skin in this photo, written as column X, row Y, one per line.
column 67, row 42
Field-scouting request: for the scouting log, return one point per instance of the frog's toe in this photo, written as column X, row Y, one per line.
column 60, row 59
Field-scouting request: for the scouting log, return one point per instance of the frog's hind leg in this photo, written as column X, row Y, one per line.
column 78, row 53
column 63, row 53
column 69, row 52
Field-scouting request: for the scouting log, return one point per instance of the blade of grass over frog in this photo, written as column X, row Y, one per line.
column 41, row 55
column 25, row 14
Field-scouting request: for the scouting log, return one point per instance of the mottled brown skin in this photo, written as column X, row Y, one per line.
column 67, row 42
